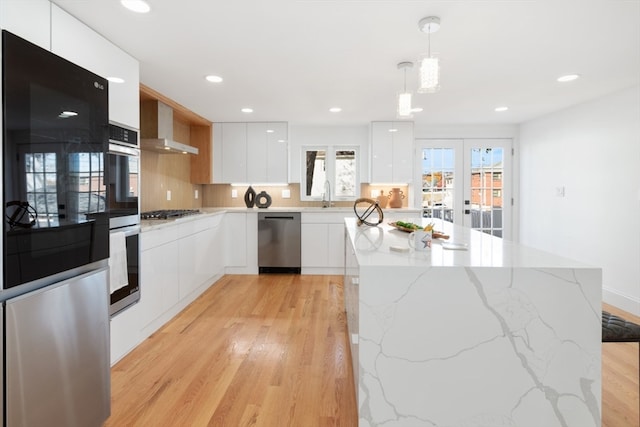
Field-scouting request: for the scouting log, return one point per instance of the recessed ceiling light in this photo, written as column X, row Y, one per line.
column 247, row 110
column 393, row 130
column 335, row 109
column 214, row 79
column 417, row 110
column 500, row 109
column 568, row 78
column 115, row 79
column 138, row 6
column 270, row 131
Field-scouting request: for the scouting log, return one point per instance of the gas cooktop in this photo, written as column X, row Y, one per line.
column 168, row 213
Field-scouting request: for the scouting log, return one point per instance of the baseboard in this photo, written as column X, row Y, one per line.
column 623, row 301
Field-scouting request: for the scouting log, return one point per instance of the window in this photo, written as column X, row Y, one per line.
column 335, row 166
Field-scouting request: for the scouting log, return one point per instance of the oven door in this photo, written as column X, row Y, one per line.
column 129, row 294
column 124, row 184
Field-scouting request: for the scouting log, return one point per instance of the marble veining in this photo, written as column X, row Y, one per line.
column 476, row 346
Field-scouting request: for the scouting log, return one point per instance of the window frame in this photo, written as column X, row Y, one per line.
column 330, row 170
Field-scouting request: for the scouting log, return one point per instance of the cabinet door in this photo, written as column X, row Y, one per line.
column 218, row 176
column 159, row 272
column 257, row 152
column 403, row 152
column 187, row 272
column 277, row 153
column 381, row 152
column 30, row 20
column 234, row 152
column 391, row 152
column 336, row 245
column 79, row 44
column 235, row 227
column 314, row 245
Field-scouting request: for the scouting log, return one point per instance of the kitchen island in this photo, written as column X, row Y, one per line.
column 491, row 334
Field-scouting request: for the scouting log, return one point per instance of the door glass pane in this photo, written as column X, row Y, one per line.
column 487, row 198
column 438, row 183
column 345, row 173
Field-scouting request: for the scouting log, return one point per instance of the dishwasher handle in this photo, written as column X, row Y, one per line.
column 278, row 217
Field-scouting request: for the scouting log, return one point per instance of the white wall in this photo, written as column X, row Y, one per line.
column 328, row 136
column 592, row 151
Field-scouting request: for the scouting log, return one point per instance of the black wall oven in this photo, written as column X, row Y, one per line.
column 55, row 133
column 123, row 161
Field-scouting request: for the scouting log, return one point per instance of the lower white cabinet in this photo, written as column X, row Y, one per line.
column 241, row 242
column 322, row 242
column 178, row 263
column 159, row 273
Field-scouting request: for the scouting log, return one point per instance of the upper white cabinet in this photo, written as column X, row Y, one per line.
column 81, row 45
column 267, row 152
column 30, row 20
column 391, row 152
column 255, row 152
column 231, row 138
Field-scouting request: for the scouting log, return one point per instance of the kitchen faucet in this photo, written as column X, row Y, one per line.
column 326, row 196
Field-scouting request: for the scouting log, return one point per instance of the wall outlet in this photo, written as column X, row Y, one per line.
column 286, row 194
column 374, row 194
column 195, row 194
column 234, row 194
column 168, row 194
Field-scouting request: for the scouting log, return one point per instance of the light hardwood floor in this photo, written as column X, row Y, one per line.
column 272, row 350
column 620, row 376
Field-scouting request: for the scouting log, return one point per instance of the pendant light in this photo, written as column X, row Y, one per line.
column 429, row 64
column 404, row 97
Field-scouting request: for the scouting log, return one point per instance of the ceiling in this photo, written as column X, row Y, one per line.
column 292, row 60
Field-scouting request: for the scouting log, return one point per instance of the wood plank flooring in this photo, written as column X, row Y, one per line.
column 620, row 376
column 272, row 350
column 268, row 350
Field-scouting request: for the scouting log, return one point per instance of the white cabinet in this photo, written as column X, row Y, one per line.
column 255, row 152
column 199, row 253
column 322, row 242
column 79, row 44
column 177, row 263
column 30, row 20
column 235, row 227
column 391, row 152
column 241, row 242
column 267, row 152
column 233, row 143
column 158, row 272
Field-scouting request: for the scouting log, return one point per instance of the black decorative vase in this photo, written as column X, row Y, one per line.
column 250, row 197
column 263, row 200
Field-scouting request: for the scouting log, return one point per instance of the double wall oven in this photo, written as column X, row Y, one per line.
column 123, row 161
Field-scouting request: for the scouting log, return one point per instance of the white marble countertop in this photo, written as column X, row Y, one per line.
column 373, row 244
column 155, row 224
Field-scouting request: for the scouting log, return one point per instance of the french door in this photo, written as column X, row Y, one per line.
column 466, row 182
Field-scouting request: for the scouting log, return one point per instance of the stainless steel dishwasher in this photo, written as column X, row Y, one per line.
column 279, row 242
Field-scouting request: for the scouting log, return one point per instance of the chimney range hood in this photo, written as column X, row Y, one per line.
column 157, row 130
column 167, row 146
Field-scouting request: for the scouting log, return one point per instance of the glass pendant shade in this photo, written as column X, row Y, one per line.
column 429, row 75
column 404, row 105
